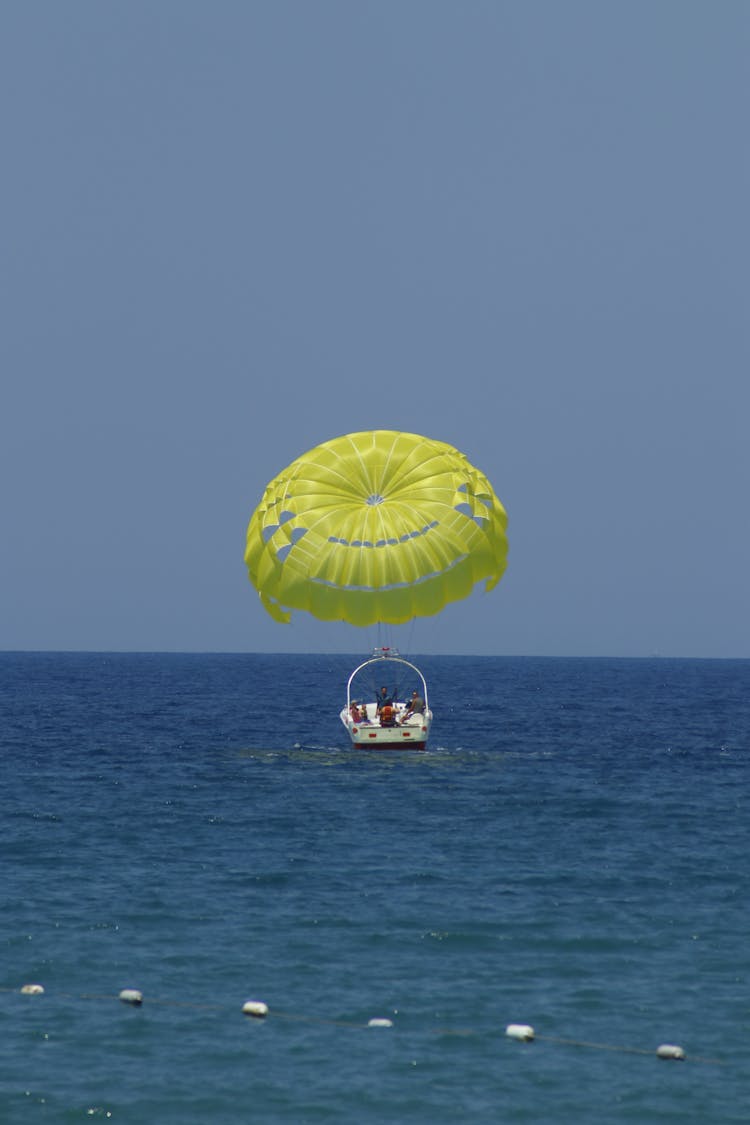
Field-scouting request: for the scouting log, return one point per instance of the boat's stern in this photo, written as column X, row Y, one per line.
column 406, row 733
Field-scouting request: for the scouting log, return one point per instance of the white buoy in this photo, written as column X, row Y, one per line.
column 520, row 1031
column 670, row 1051
column 32, row 989
column 378, row 1022
column 131, row 996
column 255, row 1008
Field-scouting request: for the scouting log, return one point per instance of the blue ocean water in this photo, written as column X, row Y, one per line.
column 571, row 852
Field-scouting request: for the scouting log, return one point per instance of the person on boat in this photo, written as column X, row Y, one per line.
column 383, row 699
column 387, row 715
column 415, row 706
column 355, row 712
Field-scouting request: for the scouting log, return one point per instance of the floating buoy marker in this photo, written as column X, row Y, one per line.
column 520, row 1031
column 255, row 1008
column 32, row 989
column 378, row 1022
column 670, row 1051
column 131, row 996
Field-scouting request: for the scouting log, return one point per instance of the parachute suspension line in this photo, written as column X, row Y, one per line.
column 385, row 635
column 400, row 637
column 410, row 637
column 373, row 637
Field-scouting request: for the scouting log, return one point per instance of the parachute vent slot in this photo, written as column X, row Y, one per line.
column 385, row 542
column 467, row 510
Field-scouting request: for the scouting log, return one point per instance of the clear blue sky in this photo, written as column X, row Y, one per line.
column 231, row 230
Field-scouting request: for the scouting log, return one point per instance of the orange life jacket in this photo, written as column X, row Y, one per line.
column 386, row 715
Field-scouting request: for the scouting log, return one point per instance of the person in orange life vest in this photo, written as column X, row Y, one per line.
column 387, row 715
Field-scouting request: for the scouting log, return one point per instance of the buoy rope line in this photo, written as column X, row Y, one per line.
column 258, row 1009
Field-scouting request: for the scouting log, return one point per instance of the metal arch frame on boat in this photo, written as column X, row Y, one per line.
column 386, row 654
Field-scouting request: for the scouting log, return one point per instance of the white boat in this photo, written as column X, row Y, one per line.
column 405, row 727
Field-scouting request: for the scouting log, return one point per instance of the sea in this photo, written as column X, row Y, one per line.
column 570, row 857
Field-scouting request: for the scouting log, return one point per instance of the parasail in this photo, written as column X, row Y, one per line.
column 375, row 527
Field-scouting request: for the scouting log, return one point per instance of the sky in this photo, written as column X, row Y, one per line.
column 233, row 229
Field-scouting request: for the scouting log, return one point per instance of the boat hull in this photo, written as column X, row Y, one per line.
column 371, row 736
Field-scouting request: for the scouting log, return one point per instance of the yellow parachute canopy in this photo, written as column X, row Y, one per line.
column 380, row 526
